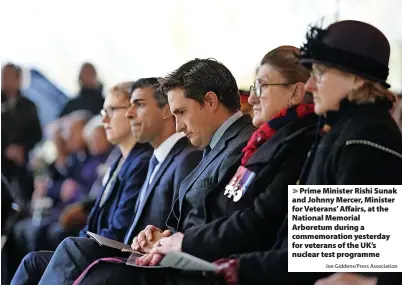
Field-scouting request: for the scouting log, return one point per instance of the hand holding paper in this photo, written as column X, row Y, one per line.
column 172, row 243
column 161, row 248
column 147, row 238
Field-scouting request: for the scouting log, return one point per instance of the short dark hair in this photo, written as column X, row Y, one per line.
column 17, row 69
column 151, row 82
column 199, row 76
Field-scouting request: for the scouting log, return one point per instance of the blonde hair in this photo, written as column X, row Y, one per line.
column 122, row 90
column 370, row 91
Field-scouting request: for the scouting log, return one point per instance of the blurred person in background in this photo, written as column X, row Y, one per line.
column 112, row 212
column 20, row 131
column 46, row 183
column 90, row 95
column 245, row 107
column 66, row 134
column 78, row 175
column 98, row 147
column 74, row 216
column 56, row 172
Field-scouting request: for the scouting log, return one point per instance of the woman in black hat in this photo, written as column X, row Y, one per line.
column 359, row 142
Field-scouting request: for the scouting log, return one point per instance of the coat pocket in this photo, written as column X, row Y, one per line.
column 203, row 182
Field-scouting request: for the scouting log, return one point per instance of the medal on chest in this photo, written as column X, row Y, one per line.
column 239, row 183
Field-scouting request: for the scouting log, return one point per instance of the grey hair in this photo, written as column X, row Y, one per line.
column 91, row 126
column 79, row 115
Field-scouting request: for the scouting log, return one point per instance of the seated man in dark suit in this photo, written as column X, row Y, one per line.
column 173, row 159
column 114, row 207
column 220, row 129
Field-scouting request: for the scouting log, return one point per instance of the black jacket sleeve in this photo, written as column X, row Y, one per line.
column 33, row 129
column 362, row 164
column 271, row 267
column 391, row 278
column 246, row 230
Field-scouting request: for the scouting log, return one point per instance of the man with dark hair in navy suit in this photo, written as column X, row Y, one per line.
column 173, row 159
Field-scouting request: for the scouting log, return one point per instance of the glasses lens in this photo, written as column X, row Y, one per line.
column 257, row 89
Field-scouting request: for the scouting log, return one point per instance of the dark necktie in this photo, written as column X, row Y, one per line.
column 144, row 190
column 206, row 151
column 151, row 167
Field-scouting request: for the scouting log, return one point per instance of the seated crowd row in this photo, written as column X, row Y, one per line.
column 197, row 175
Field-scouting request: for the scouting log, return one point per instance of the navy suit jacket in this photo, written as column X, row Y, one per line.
column 179, row 163
column 112, row 219
column 216, row 168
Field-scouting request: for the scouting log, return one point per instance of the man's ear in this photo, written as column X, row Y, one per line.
column 211, row 100
column 166, row 113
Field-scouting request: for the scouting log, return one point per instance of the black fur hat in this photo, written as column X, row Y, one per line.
column 352, row 46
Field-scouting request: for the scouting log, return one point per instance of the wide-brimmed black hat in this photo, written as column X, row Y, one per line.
column 352, row 46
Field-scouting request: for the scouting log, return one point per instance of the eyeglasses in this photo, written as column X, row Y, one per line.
column 257, row 87
column 317, row 72
column 109, row 111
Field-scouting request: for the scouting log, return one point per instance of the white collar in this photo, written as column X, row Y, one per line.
column 162, row 151
column 222, row 129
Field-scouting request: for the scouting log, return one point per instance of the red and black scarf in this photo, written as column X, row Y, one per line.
column 268, row 129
